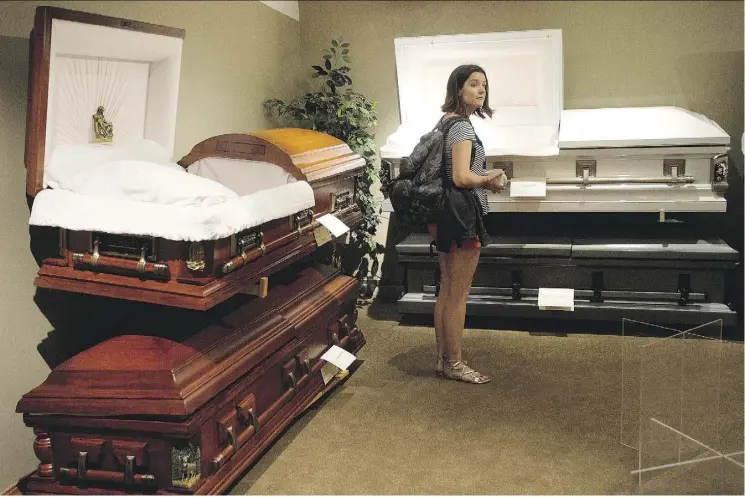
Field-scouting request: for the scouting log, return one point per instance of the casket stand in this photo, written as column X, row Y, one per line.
column 618, row 205
column 140, row 413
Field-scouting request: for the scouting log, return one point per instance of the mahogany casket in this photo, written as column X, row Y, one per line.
column 142, row 413
column 126, row 221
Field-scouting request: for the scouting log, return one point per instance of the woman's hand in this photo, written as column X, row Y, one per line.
column 496, row 180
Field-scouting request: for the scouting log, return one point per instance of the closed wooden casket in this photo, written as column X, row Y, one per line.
column 131, row 223
column 146, row 414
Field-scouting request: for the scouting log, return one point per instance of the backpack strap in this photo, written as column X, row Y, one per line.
column 449, row 123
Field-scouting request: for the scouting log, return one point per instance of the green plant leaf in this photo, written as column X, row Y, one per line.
column 346, row 116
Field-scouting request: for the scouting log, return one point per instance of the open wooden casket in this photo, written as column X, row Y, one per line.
column 189, row 413
column 132, row 223
column 617, row 204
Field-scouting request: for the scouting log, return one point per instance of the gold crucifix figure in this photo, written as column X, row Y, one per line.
column 102, row 129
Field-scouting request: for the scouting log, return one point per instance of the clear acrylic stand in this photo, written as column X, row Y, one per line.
column 679, row 396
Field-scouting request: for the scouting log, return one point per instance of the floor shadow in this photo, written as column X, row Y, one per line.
column 415, row 361
column 82, row 321
column 286, row 437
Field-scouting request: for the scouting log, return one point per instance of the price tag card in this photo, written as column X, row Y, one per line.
column 328, row 371
column 556, row 299
column 322, row 235
column 527, row 188
column 334, row 224
column 338, row 357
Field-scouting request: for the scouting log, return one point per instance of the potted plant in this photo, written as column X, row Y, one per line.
column 347, row 115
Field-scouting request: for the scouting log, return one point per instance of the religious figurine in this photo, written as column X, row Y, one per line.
column 102, row 129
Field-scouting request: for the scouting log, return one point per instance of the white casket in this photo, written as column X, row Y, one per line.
column 133, row 222
column 614, row 160
column 591, row 194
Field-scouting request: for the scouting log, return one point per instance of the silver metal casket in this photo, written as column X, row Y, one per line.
column 616, row 206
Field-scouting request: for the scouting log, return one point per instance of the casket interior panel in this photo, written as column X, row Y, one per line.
column 132, row 223
column 618, row 204
column 147, row 414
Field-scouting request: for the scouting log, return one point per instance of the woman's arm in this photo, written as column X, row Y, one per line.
column 462, row 175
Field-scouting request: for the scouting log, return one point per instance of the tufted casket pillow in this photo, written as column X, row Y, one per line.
column 138, row 171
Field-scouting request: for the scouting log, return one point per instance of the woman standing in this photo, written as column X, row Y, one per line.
column 459, row 249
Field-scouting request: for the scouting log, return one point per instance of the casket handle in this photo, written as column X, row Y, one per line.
column 82, row 465
column 96, row 255
column 129, row 471
column 235, row 443
column 673, row 173
column 105, row 264
column 82, row 473
column 293, row 380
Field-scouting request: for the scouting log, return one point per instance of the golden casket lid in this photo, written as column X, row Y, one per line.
column 306, row 154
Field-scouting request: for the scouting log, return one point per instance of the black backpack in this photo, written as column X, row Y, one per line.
column 416, row 192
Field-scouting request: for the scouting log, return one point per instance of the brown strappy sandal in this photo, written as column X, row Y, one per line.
column 459, row 370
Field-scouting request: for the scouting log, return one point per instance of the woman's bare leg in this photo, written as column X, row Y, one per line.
column 442, row 300
column 462, row 263
column 442, row 297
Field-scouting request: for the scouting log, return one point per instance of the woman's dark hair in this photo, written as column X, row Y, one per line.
column 458, row 78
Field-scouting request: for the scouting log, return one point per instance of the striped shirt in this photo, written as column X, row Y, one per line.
column 460, row 132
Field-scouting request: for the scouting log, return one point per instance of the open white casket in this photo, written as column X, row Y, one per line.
column 614, row 160
column 133, row 223
column 590, row 189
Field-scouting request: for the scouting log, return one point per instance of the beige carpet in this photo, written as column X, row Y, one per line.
column 548, row 423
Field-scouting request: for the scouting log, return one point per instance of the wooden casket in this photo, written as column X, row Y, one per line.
column 131, row 223
column 147, row 414
column 620, row 207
